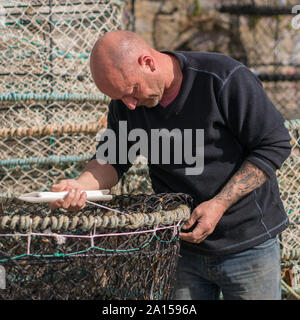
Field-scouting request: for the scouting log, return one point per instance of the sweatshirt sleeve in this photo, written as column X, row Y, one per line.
column 113, row 126
column 254, row 120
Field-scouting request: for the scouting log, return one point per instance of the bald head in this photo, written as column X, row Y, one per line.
column 126, row 68
column 118, row 51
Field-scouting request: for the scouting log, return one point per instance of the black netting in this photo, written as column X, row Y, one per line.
column 96, row 253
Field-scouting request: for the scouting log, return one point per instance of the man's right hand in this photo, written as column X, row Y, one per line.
column 75, row 200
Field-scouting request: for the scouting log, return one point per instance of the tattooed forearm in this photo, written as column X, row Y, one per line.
column 245, row 180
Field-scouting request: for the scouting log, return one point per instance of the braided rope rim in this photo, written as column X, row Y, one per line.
column 87, row 128
column 110, row 220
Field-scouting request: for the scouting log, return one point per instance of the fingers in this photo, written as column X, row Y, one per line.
column 189, row 223
column 75, row 200
column 60, row 186
column 196, row 236
column 65, row 185
column 201, row 221
column 56, row 204
column 69, row 198
column 82, row 200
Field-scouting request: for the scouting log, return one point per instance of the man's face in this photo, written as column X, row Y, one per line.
column 135, row 89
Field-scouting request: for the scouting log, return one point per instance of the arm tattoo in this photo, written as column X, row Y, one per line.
column 245, row 180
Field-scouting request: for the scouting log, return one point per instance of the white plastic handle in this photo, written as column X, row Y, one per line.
column 40, row 197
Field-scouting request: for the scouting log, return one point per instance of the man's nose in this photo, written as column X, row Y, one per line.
column 130, row 102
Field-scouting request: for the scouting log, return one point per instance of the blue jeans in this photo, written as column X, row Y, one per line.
column 253, row 274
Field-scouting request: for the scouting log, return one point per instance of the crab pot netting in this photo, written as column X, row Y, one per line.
column 95, row 253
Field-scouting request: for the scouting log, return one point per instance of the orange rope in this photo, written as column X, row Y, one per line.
column 50, row 129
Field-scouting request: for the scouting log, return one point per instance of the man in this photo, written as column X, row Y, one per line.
column 229, row 244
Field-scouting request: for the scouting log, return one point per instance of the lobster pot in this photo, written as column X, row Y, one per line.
column 128, row 251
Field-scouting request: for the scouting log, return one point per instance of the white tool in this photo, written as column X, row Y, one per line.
column 38, row 197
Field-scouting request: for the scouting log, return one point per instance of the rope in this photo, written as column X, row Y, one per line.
column 290, row 290
column 54, row 159
column 105, row 207
column 292, row 124
column 110, row 220
column 50, row 129
column 290, row 254
column 44, row 160
column 257, row 10
column 88, row 128
column 78, row 3
column 270, row 77
column 54, row 97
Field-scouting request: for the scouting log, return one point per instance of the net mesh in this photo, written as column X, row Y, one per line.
column 93, row 254
column 49, row 105
column 289, row 184
column 49, row 43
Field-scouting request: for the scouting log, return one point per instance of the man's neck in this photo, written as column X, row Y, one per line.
column 167, row 99
column 174, row 77
column 173, row 80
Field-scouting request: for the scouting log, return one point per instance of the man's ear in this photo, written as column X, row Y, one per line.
column 147, row 62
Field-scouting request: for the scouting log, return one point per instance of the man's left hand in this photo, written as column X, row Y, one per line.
column 205, row 218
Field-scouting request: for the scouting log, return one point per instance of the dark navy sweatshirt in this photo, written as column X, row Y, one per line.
column 227, row 101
